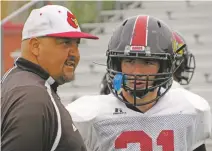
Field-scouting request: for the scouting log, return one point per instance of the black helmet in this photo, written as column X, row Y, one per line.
column 185, row 65
column 141, row 37
column 104, row 87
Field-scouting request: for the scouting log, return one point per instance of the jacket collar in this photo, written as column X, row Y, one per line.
column 36, row 69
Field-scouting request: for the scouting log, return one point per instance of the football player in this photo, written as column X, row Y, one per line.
column 142, row 112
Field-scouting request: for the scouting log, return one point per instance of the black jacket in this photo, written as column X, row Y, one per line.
column 32, row 115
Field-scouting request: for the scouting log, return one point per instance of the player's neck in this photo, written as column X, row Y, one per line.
column 150, row 96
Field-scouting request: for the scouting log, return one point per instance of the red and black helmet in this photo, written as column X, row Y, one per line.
column 141, row 37
column 185, row 65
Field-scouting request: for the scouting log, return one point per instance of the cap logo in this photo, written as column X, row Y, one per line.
column 71, row 19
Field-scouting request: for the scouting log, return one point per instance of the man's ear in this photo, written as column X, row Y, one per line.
column 34, row 46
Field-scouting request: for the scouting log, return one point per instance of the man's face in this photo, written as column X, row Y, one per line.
column 59, row 57
column 139, row 66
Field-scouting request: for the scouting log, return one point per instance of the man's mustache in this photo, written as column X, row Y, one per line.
column 71, row 61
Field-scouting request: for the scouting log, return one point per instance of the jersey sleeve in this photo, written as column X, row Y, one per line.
column 83, row 114
column 23, row 120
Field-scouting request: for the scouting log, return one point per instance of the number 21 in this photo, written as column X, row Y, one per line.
column 164, row 139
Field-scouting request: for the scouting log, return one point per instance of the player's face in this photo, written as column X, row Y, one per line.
column 140, row 66
column 60, row 57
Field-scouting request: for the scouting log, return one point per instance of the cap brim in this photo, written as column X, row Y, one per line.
column 73, row 35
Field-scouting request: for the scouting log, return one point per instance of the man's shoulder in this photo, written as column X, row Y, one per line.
column 27, row 90
column 21, row 78
column 22, row 84
column 93, row 100
column 25, row 96
column 180, row 100
column 187, row 98
column 89, row 107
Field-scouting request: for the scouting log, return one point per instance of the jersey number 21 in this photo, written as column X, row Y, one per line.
column 164, row 139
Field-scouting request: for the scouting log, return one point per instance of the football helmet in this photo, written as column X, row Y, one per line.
column 141, row 37
column 185, row 64
column 104, row 90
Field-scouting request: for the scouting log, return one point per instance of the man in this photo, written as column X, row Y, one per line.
column 32, row 115
column 142, row 113
column 185, row 67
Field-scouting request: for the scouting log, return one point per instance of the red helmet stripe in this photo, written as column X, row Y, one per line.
column 139, row 37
